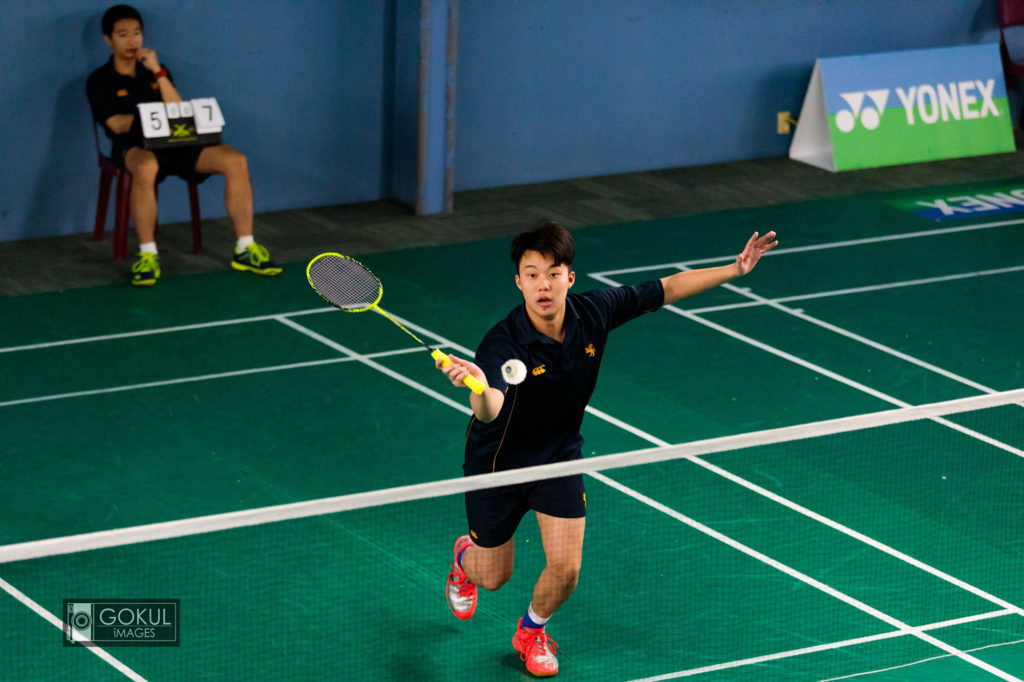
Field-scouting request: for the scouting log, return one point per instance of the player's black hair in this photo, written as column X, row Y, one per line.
column 546, row 237
column 116, row 14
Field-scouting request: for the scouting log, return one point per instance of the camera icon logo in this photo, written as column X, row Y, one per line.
column 79, row 620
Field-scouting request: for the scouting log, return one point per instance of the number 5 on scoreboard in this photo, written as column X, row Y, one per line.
column 153, row 117
column 207, row 115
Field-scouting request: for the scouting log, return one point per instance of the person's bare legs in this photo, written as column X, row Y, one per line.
column 232, row 164
column 143, row 166
column 489, row 567
column 563, row 550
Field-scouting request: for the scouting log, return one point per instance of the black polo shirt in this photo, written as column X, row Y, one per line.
column 540, row 419
column 111, row 93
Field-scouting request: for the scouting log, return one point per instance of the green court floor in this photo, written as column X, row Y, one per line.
column 892, row 553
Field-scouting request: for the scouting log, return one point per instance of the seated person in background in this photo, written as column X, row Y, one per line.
column 134, row 75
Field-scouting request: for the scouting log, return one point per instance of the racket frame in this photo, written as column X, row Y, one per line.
column 470, row 381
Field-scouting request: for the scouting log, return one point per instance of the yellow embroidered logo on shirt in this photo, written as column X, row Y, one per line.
column 473, row 533
column 537, row 371
column 122, row 93
column 589, row 350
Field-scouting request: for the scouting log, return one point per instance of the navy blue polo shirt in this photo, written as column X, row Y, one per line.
column 111, row 93
column 540, row 419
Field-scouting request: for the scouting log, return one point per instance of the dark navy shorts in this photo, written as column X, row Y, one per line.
column 180, row 161
column 495, row 513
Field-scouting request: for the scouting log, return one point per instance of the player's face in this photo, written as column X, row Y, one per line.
column 544, row 284
column 125, row 39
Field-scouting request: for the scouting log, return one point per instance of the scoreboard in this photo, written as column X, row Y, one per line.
column 181, row 124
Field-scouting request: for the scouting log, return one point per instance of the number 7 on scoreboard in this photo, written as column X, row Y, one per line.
column 207, row 114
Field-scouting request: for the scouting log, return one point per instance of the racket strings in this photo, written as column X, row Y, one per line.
column 345, row 283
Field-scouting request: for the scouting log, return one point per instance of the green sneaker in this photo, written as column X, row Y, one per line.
column 146, row 270
column 255, row 258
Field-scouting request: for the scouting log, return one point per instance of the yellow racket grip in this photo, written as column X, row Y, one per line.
column 472, row 383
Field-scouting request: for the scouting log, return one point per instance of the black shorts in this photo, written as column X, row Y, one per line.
column 180, row 161
column 495, row 513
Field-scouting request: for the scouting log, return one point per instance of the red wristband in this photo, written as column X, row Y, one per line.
column 162, row 73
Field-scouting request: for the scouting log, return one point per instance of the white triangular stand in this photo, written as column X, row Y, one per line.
column 812, row 143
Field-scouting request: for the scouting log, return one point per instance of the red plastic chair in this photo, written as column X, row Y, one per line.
column 109, row 171
column 1011, row 20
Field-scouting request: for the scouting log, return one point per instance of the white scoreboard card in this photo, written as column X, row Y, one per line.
column 208, row 117
column 153, row 117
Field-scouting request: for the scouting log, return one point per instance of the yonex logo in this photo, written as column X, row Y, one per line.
column 954, row 101
column 963, row 100
column 847, row 119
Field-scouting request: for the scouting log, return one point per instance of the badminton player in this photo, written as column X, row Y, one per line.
column 561, row 338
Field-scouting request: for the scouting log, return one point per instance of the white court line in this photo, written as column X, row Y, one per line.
column 201, row 377
column 365, row 359
column 754, row 660
column 857, row 290
column 924, row 660
column 56, row 622
column 801, row 315
column 314, row 311
column 826, row 372
column 161, row 330
column 819, row 247
column 806, row 579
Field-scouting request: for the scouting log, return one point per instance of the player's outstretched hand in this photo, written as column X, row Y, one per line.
column 752, row 252
column 459, row 369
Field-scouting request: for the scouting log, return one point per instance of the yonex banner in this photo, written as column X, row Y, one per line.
column 904, row 107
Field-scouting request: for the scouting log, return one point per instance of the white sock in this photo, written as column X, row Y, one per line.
column 534, row 617
column 242, row 243
column 148, row 247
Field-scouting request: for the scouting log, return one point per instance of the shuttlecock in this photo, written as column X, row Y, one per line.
column 514, row 372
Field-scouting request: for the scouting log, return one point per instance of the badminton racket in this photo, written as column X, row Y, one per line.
column 349, row 285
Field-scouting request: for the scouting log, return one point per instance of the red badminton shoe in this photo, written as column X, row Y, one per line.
column 460, row 592
column 537, row 649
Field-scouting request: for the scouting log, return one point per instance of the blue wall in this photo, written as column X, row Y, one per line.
column 552, row 90
column 317, row 94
